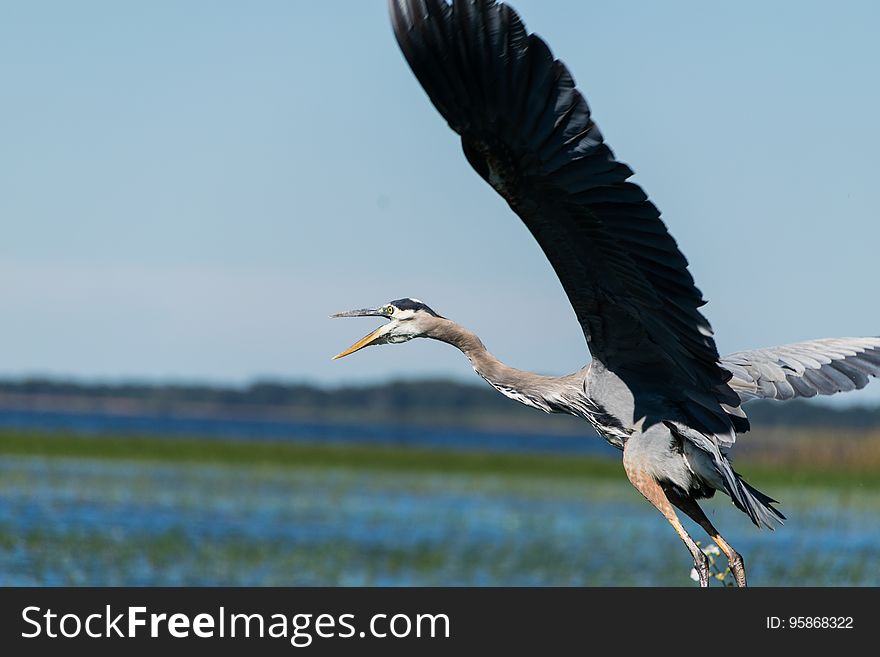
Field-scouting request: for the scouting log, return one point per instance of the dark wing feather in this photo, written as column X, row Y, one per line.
column 528, row 132
column 805, row 369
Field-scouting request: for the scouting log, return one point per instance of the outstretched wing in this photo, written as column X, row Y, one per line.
column 527, row 131
column 805, row 369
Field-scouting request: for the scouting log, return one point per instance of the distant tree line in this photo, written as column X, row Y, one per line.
column 431, row 401
column 392, row 396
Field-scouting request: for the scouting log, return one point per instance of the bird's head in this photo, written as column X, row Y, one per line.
column 407, row 319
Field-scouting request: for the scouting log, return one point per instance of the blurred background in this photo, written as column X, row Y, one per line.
column 190, row 189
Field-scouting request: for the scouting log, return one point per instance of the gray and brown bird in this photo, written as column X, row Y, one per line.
column 656, row 387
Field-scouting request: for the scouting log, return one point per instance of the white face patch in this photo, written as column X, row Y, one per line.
column 403, row 314
column 401, row 326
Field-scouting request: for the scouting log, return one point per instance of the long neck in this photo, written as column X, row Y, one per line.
column 525, row 387
column 485, row 364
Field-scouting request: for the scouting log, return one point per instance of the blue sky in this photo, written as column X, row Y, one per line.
column 189, row 189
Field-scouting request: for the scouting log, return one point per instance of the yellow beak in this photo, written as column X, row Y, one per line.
column 365, row 341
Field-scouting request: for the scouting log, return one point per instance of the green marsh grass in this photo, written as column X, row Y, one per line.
column 759, row 471
column 144, row 510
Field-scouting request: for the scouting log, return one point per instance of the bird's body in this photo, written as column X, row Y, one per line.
column 669, row 450
column 656, row 387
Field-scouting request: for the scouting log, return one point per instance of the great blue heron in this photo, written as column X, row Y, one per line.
column 656, row 387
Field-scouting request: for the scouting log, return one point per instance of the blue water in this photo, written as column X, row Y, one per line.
column 281, row 430
column 67, row 521
column 80, row 522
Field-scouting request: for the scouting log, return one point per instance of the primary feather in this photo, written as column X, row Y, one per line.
column 804, row 369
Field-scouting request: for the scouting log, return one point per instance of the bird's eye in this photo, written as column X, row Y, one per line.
column 389, row 310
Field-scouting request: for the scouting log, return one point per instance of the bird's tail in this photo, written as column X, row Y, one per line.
column 748, row 499
column 717, row 472
column 755, row 504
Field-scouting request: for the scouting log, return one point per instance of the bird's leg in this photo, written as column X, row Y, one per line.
column 734, row 559
column 654, row 493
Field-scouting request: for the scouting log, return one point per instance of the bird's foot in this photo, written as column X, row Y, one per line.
column 738, row 568
column 701, row 565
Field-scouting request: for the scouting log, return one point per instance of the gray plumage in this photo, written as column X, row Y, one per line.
column 656, row 387
column 805, row 369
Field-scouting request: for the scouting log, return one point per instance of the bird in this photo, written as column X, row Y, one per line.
column 655, row 386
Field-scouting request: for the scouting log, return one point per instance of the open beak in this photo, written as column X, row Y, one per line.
column 367, row 340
